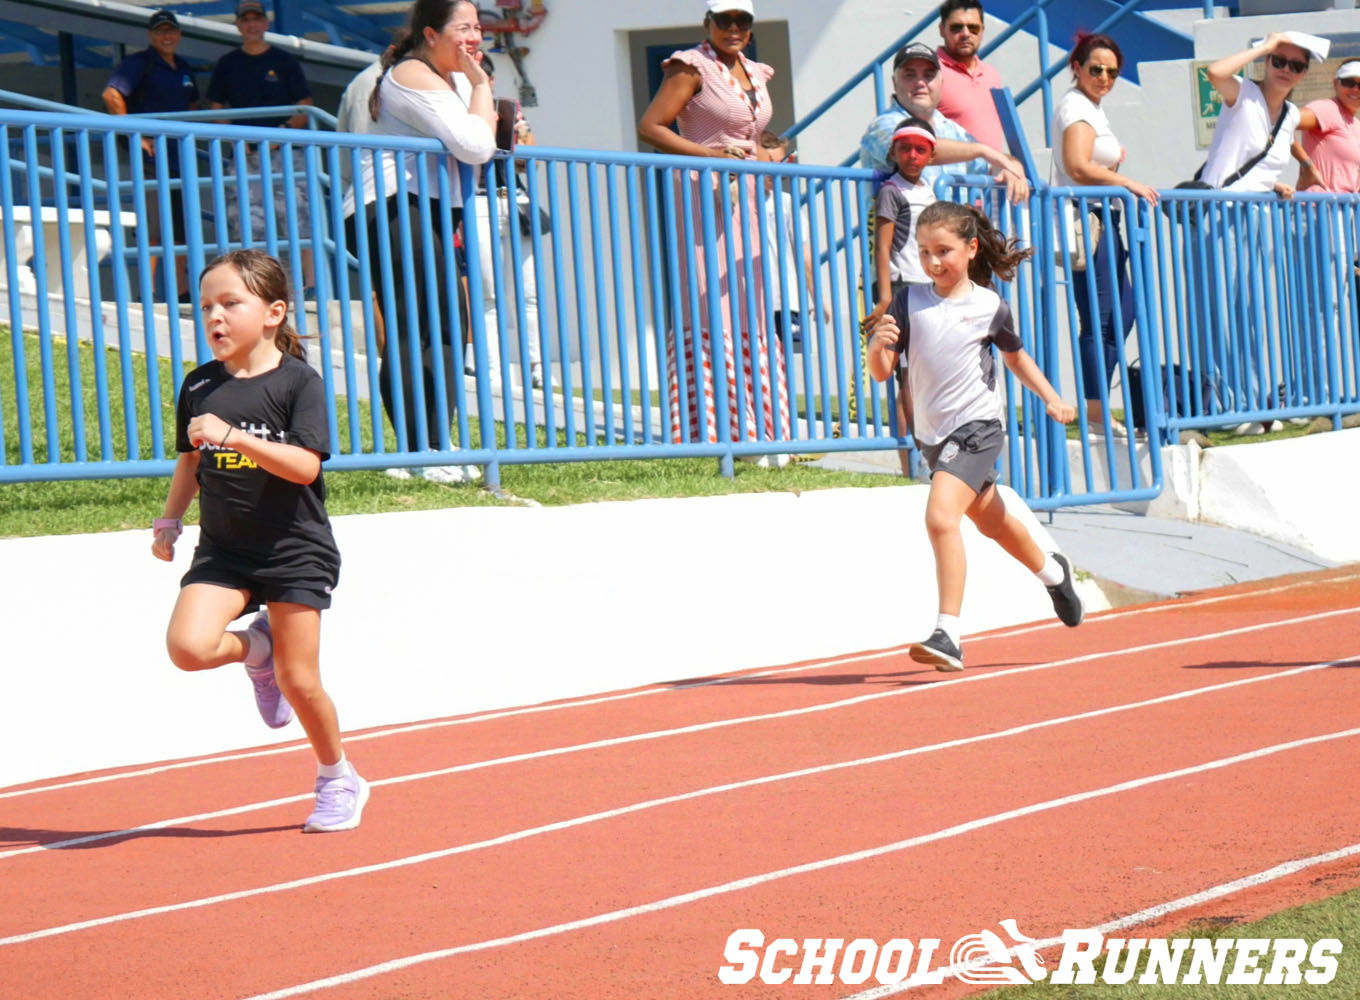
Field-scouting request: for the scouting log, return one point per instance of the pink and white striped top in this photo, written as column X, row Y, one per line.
column 721, row 114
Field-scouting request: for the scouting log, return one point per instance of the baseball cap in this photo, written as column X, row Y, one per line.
column 718, row 6
column 1348, row 70
column 250, row 7
column 916, row 50
column 162, row 17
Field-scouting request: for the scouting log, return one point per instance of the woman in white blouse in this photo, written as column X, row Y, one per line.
column 1087, row 154
column 432, row 86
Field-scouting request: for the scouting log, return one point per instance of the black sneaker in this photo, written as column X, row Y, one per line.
column 1066, row 603
column 939, row 650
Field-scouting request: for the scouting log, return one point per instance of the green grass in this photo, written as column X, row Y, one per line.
column 68, row 507
column 1337, row 917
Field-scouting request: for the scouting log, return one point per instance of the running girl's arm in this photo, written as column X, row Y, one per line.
column 881, row 354
column 183, row 489
column 287, row 461
column 1024, row 368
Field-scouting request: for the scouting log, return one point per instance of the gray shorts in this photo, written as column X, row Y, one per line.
column 969, row 453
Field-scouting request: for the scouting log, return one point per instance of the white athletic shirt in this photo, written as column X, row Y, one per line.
column 901, row 202
column 946, row 349
column 429, row 114
column 1073, row 107
column 1241, row 133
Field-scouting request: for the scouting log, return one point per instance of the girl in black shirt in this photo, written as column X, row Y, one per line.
column 252, row 434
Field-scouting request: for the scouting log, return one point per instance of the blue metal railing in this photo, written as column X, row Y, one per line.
column 603, row 262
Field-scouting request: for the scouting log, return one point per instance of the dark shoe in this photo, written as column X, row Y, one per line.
column 938, row 650
column 1066, row 603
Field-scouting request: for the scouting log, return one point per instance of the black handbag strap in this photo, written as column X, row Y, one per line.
column 1243, row 170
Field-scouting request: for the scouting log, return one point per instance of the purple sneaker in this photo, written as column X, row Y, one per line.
column 339, row 803
column 273, row 706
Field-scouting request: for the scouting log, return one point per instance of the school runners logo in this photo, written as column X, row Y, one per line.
column 987, row 958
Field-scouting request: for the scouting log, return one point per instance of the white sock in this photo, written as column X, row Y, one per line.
column 1051, row 573
column 950, row 625
column 339, row 769
column 259, row 647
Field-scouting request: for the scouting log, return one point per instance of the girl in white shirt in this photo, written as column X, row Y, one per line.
column 1088, row 154
column 941, row 336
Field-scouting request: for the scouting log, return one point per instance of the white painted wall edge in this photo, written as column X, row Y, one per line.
column 447, row 612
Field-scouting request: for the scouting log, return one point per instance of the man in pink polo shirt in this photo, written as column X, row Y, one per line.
column 966, row 96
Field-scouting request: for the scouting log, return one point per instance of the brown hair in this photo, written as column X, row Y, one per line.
column 265, row 278
column 996, row 254
column 1088, row 43
column 424, row 14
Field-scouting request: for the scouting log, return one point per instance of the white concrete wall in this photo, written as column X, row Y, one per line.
column 454, row 611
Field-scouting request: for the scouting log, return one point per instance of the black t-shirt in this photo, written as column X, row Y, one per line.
column 272, row 78
column 151, row 85
column 277, row 525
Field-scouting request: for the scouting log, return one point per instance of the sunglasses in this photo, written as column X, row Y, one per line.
column 727, row 21
column 1350, row 83
column 1295, row 66
column 958, row 29
column 1099, row 71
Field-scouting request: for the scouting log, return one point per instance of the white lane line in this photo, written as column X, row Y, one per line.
column 1152, row 913
column 298, row 746
column 813, row 866
column 616, row 741
column 638, row 807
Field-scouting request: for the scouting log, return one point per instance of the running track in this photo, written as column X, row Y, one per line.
column 1159, row 765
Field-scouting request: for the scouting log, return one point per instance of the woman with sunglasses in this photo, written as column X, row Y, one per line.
column 719, row 100
column 1328, row 149
column 1250, row 148
column 1251, row 111
column 1087, row 154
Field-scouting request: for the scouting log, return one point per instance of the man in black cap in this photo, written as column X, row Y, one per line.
column 259, row 75
column 157, row 81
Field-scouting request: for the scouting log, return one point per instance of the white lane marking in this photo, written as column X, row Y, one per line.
column 813, row 866
column 1151, row 913
column 298, row 746
column 653, row 804
column 699, row 727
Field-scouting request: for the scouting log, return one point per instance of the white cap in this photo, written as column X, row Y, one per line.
column 1348, row 70
column 718, row 6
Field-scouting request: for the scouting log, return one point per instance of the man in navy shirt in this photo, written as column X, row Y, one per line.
column 157, row 81
column 257, row 75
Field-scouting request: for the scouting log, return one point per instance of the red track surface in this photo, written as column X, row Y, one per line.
column 932, row 806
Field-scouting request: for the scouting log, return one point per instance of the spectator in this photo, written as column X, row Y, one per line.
column 966, row 81
column 257, row 75
column 779, row 149
column 903, row 195
column 1249, row 150
column 1329, row 151
column 416, row 97
column 353, row 114
column 514, row 130
column 897, row 258
column 157, row 81
column 916, row 92
column 1088, row 155
column 721, row 104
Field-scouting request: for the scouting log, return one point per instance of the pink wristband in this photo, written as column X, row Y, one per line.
column 167, row 524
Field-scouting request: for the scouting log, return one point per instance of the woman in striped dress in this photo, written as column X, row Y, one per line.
column 720, row 102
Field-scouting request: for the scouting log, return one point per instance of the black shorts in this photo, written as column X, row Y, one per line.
column 969, row 453
column 309, row 587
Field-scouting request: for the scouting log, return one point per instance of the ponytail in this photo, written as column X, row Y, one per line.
column 402, row 44
column 434, row 14
column 996, row 254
